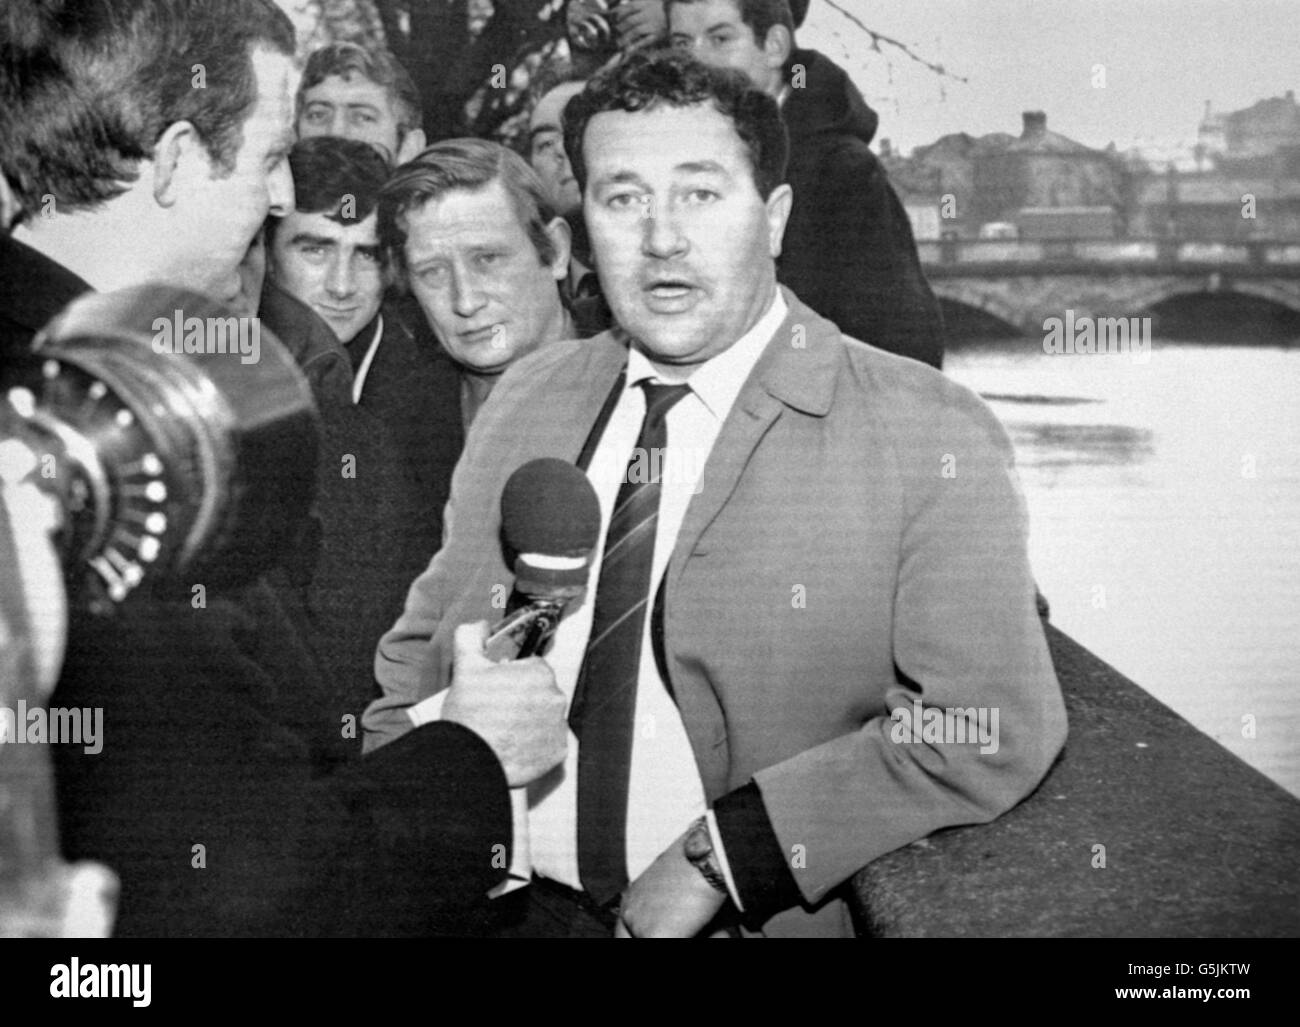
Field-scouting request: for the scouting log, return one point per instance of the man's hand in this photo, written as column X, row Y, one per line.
column 670, row 900
column 515, row 706
column 639, row 23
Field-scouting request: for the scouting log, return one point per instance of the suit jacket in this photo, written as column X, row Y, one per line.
column 859, row 543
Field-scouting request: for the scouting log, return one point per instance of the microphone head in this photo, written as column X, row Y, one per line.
column 550, row 518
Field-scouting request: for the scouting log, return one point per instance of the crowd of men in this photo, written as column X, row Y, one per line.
column 696, row 255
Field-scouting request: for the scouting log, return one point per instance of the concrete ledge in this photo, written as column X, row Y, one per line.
column 1197, row 843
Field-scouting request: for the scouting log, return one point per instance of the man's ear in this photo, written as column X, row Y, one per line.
column 8, row 205
column 178, row 155
column 411, row 145
column 562, row 239
column 778, row 213
column 778, row 46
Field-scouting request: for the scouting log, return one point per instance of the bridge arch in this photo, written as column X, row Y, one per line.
column 1211, row 285
column 963, row 295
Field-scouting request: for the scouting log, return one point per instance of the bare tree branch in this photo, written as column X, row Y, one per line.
column 877, row 38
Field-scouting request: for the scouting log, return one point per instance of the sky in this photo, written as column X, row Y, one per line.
column 1161, row 60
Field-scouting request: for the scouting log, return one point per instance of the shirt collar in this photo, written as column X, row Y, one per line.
column 363, row 369
column 719, row 379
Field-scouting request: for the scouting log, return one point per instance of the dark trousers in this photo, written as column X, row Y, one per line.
column 548, row 910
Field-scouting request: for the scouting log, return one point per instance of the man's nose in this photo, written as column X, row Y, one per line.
column 279, row 188
column 340, row 280
column 662, row 235
column 467, row 294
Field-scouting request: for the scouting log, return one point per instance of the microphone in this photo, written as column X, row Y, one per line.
column 550, row 520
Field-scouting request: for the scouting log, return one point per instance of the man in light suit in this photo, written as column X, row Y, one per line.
column 839, row 592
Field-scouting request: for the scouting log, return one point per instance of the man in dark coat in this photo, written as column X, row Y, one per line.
column 848, row 250
column 218, row 794
column 393, row 435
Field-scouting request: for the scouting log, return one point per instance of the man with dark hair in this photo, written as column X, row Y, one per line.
column 218, row 797
column 848, row 250
column 326, row 251
column 390, row 447
column 781, row 606
column 349, row 91
column 483, row 252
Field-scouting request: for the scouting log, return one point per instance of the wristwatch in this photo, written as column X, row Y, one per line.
column 698, row 849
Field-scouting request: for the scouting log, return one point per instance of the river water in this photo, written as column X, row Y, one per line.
column 1164, row 501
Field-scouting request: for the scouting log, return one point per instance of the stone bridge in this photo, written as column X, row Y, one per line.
column 1022, row 283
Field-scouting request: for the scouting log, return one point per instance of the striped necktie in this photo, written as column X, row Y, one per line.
column 604, row 701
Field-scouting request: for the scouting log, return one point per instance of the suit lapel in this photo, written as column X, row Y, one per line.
column 787, row 375
column 588, row 390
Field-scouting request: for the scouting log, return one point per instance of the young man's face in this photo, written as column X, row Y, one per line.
column 478, row 278
column 351, row 108
column 334, row 268
column 216, row 213
column 546, row 149
column 684, row 242
column 714, row 33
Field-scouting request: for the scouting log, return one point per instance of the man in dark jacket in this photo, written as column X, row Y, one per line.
column 392, row 440
column 218, row 794
column 848, row 250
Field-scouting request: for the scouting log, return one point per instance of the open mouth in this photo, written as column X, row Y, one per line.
column 671, row 295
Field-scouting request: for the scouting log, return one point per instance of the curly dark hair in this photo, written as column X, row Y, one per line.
column 326, row 169
column 645, row 80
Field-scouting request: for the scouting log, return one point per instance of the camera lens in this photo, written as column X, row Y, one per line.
column 176, row 446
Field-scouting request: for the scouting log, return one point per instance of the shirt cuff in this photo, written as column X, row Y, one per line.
column 520, row 871
column 720, row 851
column 426, row 711
column 764, row 882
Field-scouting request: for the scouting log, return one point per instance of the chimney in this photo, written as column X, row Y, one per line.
column 1035, row 124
